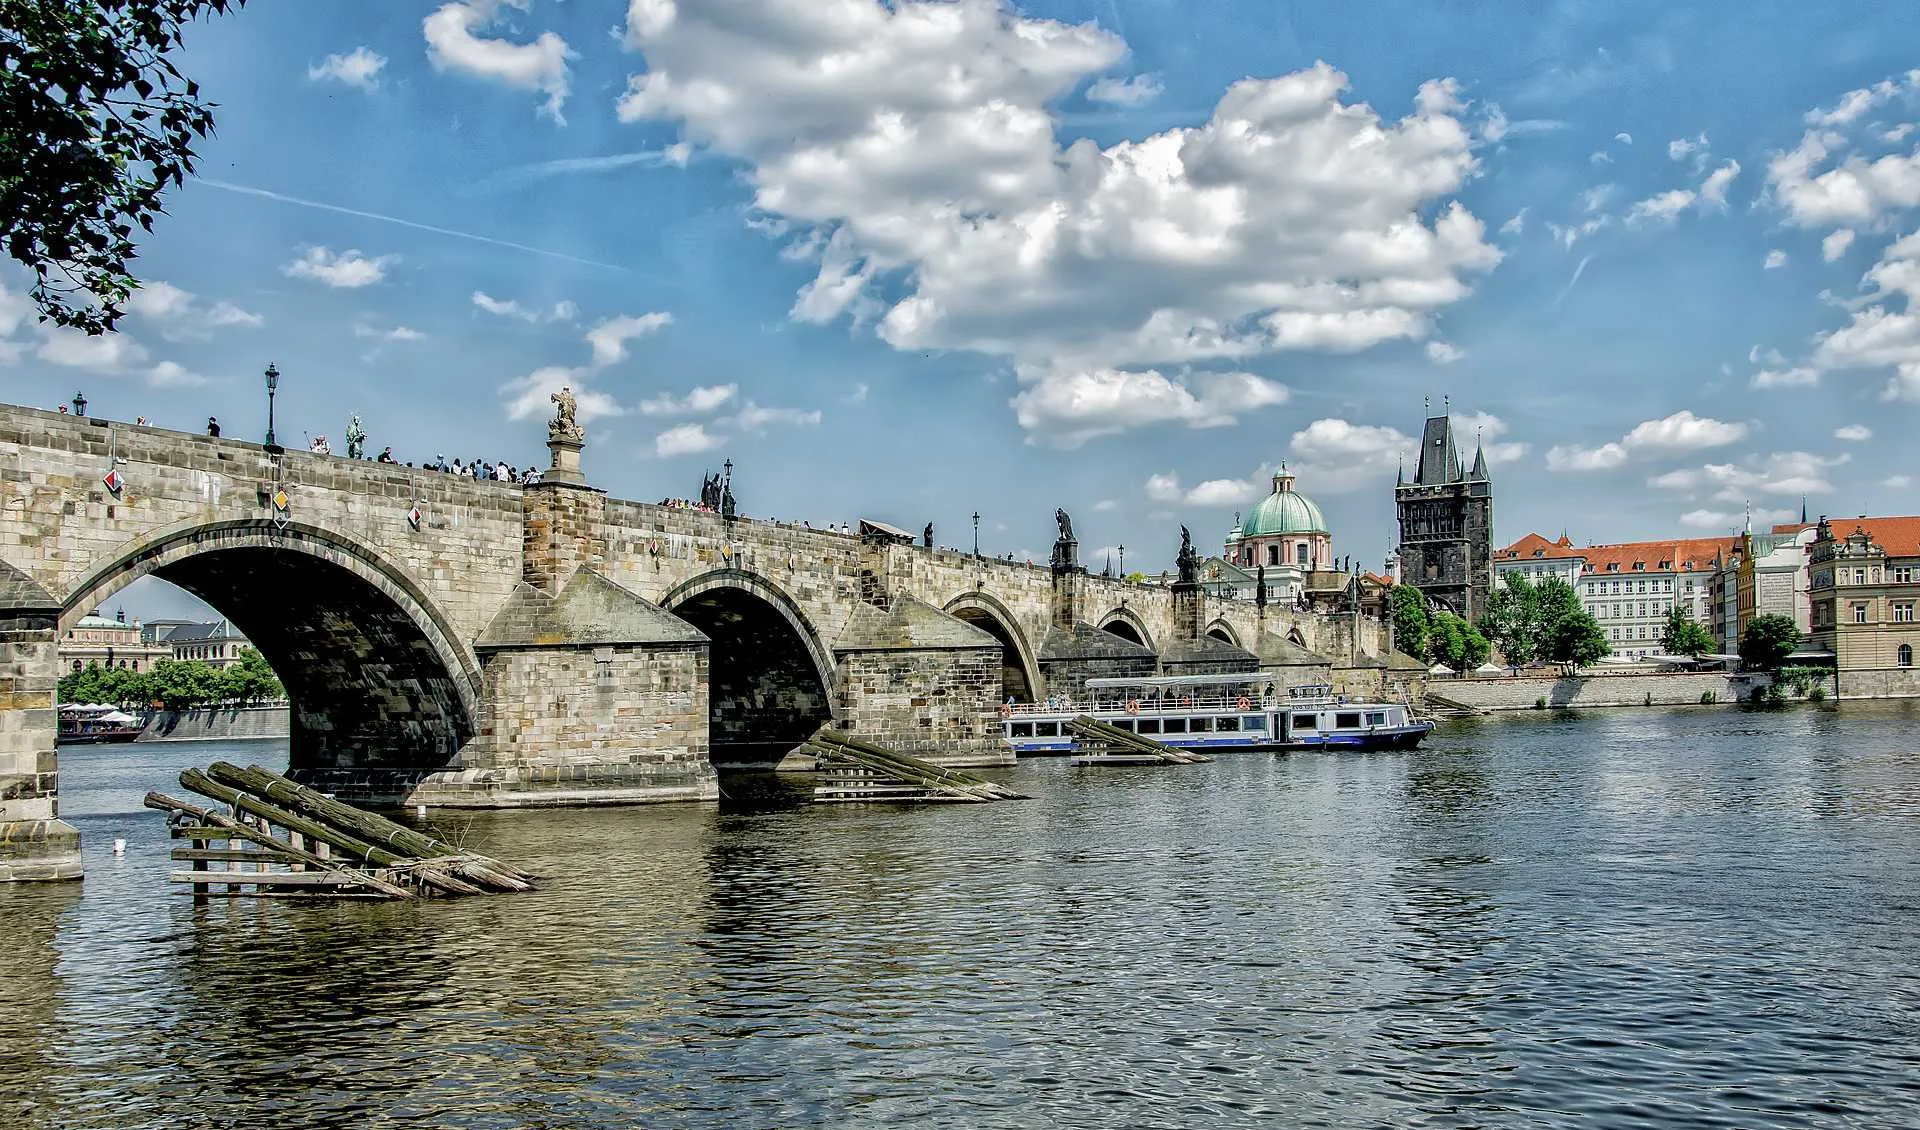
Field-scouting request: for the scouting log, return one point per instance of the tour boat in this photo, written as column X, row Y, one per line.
column 84, row 725
column 1216, row 712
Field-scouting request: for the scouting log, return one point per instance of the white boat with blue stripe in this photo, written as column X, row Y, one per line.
column 1215, row 712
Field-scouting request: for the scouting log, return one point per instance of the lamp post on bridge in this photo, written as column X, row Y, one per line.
column 273, row 385
column 1123, row 562
column 79, row 403
column 976, row 533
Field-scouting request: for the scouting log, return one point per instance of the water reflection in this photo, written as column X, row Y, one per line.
column 1699, row 918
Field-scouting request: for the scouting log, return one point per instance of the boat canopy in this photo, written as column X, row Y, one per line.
column 1180, row 682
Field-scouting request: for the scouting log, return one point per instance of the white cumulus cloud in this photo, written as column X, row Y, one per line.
column 1775, row 258
column 347, row 270
column 1884, row 332
column 180, row 317
column 1836, row 244
column 454, row 43
column 359, row 67
column 1166, row 488
column 683, row 439
column 1333, row 456
column 1704, row 519
column 696, row 402
column 1444, row 352
column 1682, row 431
column 1136, row 91
column 609, row 339
column 1853, row 433
column 916, row 142
column 1068, row 409
column 755, row 418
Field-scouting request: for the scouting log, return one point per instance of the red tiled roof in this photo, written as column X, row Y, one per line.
column 1533, row 547
column 1696, row 554
column 1898, row 536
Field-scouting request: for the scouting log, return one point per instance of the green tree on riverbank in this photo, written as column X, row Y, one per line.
column 1683, row 636
column 1457, row 643
column 1410, row 621
column 1768, row 640
column 1526, row 618
column 175, row 685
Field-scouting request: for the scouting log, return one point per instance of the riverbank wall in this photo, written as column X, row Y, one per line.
column 214, row 723
column 1592, row 690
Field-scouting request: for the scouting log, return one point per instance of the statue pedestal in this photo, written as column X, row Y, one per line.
column 566, row 461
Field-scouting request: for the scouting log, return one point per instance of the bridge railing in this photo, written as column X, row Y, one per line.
column 1166, row 704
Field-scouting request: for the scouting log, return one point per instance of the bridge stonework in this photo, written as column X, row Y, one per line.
column 483, row 644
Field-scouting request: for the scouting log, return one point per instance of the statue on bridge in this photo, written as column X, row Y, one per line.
column 926, row 537
column 564, row 425
column 710, row 492
column 356, row 438
column 1066, row 549
column 1188, row 560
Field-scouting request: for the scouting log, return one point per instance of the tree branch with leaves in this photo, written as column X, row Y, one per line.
column 96, row 124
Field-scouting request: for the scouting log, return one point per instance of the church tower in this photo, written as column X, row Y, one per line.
column 1446, row 523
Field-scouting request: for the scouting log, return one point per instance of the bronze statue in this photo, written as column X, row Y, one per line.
column 926, row 536
column 1065, row 523
column 1188, row 561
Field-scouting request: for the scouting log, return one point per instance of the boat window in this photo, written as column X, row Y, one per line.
column 1046, row 729
column 1226, row 725
column 1347, row 720
column 1254, row 723
column 1149, row 725
column 1176, row 726
column 1306, row 721
column 1376, row 718
column 1020, row 730
column 1201, row 726
column 1125, row 724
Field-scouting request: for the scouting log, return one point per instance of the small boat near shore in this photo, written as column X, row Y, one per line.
column 1216, row 712
column 93, row 724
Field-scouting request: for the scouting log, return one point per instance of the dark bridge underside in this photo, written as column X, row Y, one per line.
column 1013, row 677
column 765, row 694
column 367, row 687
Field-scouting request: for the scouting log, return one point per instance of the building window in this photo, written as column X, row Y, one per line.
column 1903, row 612
column 1859, row 613
column 1906, row 655
column 1273, row 555
column 1859, row 576
column 1300, row 553
column 1903, row 574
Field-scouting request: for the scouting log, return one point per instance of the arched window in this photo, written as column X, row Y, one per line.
column 1906, row 655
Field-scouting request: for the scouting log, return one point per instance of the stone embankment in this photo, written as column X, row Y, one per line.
column 211, row 723
column 1591, row 689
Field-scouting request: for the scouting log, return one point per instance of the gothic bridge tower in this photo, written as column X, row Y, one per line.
column 1446, row 523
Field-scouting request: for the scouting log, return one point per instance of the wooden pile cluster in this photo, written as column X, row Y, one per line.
column 280, row 839
column 853, row 770
column 1098, row 743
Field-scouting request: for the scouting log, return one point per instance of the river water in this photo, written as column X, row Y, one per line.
column 1689, row 918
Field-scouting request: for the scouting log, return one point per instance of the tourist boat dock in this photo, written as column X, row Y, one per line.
column 95, row 724
column 1216, row 712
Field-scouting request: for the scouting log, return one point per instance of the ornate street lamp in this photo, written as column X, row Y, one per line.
column 79, row 404
column 976, row 533
column 1123, row 562
column 273, row 385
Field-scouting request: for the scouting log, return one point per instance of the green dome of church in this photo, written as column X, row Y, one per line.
column 1285, row 511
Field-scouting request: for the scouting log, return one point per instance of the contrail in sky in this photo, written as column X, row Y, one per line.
column 285, row 199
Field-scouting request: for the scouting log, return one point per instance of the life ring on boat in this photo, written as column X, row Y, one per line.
column 1186, row 702
column 1244, row 703
column 1133, row 706
column 1006, row 711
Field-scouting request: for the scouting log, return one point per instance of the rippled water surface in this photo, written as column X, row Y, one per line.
column 1684, row 918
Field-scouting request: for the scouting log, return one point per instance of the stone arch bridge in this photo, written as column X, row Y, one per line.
column 484, row 644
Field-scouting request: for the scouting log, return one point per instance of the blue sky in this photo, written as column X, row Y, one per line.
column 1121, row 256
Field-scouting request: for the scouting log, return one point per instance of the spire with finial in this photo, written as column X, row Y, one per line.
column 1400, row 473
column 1803, row 509
column 1479, row 472
column 1282, row 479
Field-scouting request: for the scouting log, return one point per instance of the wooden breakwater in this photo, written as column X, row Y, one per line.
column 854, row 770
column 1100, row 743
column 279, row 839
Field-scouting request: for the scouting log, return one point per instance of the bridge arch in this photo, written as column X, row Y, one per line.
column 1223, row 631
column 770, row 677
column 1127, row 624
column 376, row 674
column 1019, row 672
